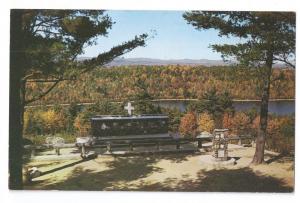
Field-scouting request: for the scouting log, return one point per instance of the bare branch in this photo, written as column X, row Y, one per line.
column 48, row 32
column 285, row 61
column 25, row 78
column 49, row 20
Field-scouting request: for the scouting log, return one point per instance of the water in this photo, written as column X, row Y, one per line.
column 276, row 107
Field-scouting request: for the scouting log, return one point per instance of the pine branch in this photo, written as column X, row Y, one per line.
column 106, row 57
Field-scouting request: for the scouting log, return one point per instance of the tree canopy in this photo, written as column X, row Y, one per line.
column 260, row 32
column 53, row 39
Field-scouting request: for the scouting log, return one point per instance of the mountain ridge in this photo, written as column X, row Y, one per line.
column 121, row 61
column 152, row 61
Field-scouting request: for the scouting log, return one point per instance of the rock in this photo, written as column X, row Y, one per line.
column 211, row 161
column 90, row 155
column 32, row 173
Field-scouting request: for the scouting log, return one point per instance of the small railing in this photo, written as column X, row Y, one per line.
column 55, row 143
column 58, row 143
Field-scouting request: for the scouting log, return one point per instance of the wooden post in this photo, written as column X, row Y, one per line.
column 199, row 143
column 157, row 145
column 226, row 150
column 130, row 146
column 57, row 150
column 240, row 141
column 82, row 150
column 33, row 152
column 177, row 144
column 253, row 142
column 108, row 147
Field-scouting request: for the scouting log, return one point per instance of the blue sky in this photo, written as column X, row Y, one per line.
column 174, row 38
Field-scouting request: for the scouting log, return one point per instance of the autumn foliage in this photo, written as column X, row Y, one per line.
column 188, row 125
column 206, row 123
column 280, row 130
column 44, row 121
column 239, row 124
column 171, row 82
column 281, row 133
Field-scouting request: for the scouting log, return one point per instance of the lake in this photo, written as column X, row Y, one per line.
column 282, row 107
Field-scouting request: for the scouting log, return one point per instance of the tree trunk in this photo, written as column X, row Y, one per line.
column 261, row 137
column 16, row 105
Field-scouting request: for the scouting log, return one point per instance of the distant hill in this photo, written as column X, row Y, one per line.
column 158, row 62
column 161, row 62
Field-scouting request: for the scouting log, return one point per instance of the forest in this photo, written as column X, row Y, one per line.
column 164, row 82
column 108, row 89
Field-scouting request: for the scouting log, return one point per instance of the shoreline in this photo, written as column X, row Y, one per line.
column 234, row 100
column 160, row 100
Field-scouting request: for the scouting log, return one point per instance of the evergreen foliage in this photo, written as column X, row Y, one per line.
column 267, row 37
column 44, row 48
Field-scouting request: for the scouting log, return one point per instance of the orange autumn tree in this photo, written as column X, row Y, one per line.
column 188, row 125
column 82, row 124
column 281, row 131
column 206, row 123
column 238, row 124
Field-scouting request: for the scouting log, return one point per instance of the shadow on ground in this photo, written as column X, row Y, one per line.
column 225, row 180
column 123, row 170
column 281, row 158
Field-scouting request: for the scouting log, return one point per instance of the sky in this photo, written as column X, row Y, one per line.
column 173, row 39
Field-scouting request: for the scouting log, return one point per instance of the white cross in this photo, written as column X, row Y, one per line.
column 129, row 108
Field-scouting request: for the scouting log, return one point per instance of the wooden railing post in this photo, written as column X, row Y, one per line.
column 108, row 147
column 130, row 146
column 177, row 144
column 240, row 141
column 57, row 151
column 83, row 150
column 199, row 143
column 253, row 142
column 33, row 152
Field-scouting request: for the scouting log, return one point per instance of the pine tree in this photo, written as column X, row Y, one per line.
column 266, row 37
column 44, row 47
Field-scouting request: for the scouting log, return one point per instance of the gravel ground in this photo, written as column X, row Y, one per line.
column 163, row 172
